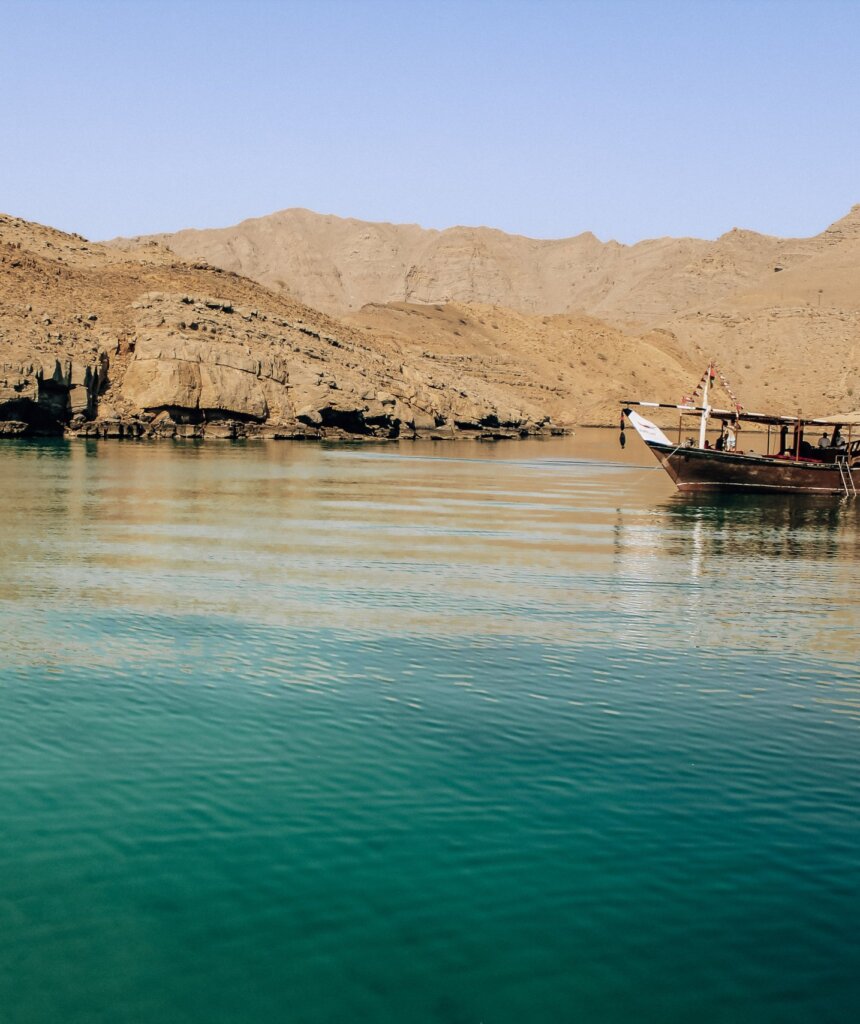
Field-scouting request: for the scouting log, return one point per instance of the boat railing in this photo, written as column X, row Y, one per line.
column 849, row 454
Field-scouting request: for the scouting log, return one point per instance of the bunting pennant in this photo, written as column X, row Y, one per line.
column 729, row 392
column 714, row 372
column 697, row 390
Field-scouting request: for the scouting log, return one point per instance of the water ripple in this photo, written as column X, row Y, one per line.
column 429, row 734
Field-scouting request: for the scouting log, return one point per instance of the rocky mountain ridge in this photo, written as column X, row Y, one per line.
column 341, row 264
column 129, row 339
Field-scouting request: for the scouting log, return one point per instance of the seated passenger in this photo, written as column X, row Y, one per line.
column 824, row 441
column 836, row 441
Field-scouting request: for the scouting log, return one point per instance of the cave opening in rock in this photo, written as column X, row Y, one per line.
column 350, row 420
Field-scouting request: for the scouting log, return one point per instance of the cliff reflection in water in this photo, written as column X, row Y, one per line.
column 568, row 539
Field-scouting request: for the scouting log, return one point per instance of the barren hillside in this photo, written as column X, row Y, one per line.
column 575, row 367
column 129, row 338
column 134, row 341
column 781, row 315
column 340, row 265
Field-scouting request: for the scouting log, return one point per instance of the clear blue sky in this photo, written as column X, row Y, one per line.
column 629, row 119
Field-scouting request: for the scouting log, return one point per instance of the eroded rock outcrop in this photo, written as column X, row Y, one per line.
column 211, row 367
column 47, row 394
column 107, row 342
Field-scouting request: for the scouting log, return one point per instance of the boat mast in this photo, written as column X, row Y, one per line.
column 706, row 409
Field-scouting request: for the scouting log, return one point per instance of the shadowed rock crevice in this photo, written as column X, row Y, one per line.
column 350, row 421
column 49, row 395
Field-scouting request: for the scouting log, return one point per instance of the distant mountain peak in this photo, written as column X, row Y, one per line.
column 847, row 227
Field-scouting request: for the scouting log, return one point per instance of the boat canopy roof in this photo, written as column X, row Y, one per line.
column 843, row 420
column 847, row 419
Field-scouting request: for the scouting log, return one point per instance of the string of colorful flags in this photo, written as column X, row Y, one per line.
column 713, row 371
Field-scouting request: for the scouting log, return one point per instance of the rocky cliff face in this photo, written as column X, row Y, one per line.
column 40, row 395
column 133, row 342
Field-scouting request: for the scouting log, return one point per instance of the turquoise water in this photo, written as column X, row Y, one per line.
column 422, row 733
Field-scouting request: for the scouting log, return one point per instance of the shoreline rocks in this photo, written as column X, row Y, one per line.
column 165, row 428
column 44, row 396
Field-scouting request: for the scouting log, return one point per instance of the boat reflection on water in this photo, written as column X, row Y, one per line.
column 794, row 525
column 743, row 571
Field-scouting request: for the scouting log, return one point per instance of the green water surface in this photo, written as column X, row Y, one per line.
column 422, row 733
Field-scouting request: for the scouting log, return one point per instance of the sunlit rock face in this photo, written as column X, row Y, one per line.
column 131, row 342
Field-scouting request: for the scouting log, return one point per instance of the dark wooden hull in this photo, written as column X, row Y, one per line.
column 693, row 469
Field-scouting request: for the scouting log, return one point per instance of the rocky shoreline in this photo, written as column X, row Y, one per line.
column 100, row 342
column 231, row 430
column 181, row 375
column 38, row 399
column 197, row 368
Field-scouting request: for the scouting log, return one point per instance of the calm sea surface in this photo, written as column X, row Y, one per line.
column 422, row 733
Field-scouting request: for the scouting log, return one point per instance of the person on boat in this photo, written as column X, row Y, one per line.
column 836, row 441
column 783, row 439
column 824, row 441
column 731, row 441
column 720, row 442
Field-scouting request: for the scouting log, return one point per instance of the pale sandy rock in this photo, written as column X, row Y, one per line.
column 342, row 265
column 309, row 414
column 422, row 420
column 225, row 430
column 729, row 297
column 225, row 389
column 156, row 382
